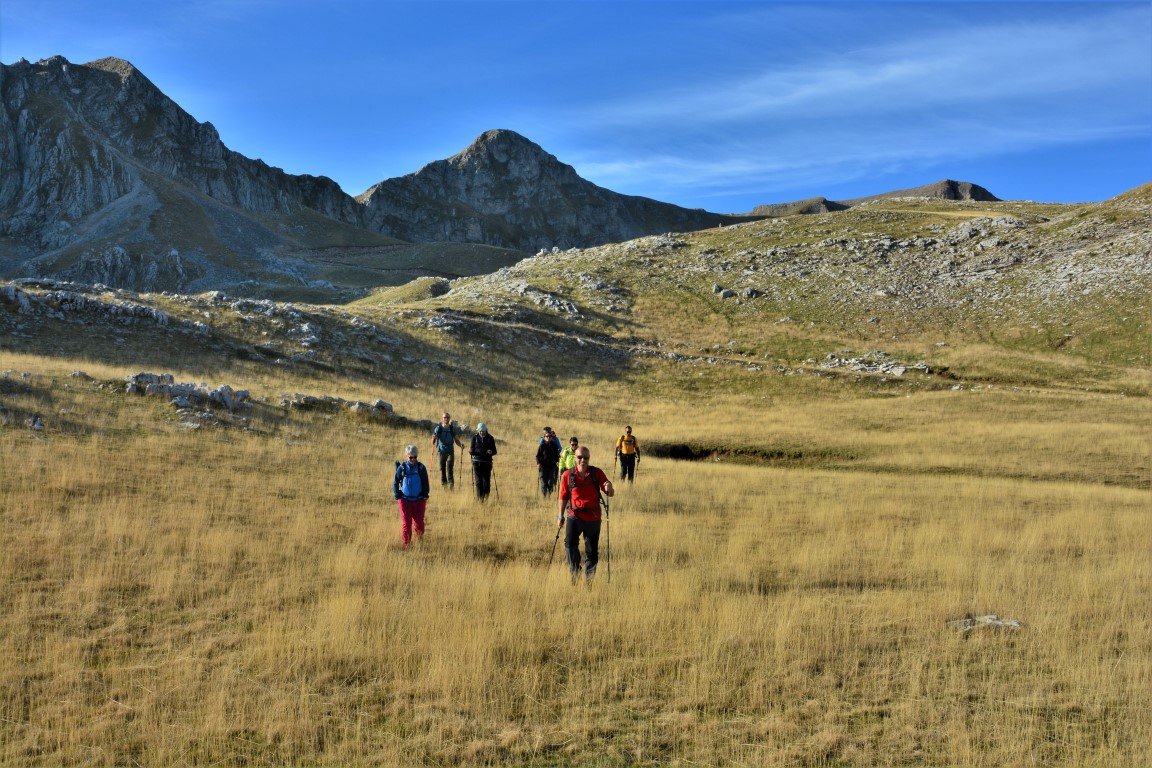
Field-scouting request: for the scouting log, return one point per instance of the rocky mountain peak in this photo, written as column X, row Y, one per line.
column 116, row 66
column 505, row 153
column 98, row 161
column 59, row 65
column 502, row 139
column 507, row 191
column 53, row 61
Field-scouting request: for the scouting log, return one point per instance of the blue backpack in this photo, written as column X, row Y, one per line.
column 410, row 485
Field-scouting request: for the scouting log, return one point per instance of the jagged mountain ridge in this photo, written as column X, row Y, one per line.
column 945, row 189
column 505, row 190
column 109, row 180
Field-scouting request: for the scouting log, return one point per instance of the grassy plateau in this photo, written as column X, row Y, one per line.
column 177, row 592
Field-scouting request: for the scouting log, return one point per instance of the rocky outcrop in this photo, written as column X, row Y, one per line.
column 506, row 191
column 92, row 304
column 187, row 395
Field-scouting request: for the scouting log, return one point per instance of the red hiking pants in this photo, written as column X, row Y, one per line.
column 411, row 517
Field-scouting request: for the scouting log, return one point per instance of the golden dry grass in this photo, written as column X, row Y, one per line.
column 231, row 597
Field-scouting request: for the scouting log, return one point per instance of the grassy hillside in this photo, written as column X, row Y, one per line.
column 194, row 586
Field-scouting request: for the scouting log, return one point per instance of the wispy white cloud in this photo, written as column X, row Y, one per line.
column 787, row 171
column 962, row 92
column 977, row 65
column 839, row 156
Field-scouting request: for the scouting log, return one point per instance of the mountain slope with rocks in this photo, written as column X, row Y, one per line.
column 900, row 294
column 1038, row 286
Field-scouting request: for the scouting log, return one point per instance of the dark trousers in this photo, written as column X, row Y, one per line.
column 548, row 478
column 482, row 470
column 574, row 527
column 627, row 466
column 447, row 467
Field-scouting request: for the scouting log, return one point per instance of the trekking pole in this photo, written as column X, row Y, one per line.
column 607, row 537
column 495, row 487
column 555, row 541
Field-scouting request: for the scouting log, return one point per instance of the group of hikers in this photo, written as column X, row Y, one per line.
column 552, row 459
column 582, row 487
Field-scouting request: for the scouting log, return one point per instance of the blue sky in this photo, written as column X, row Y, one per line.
column 715, row 105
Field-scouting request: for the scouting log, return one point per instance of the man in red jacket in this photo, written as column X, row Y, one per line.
column 580, row 489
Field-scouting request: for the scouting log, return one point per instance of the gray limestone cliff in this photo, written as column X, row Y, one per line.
column 77, row 137
column 107, row 179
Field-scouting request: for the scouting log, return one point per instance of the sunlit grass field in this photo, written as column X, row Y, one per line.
column 231, row 596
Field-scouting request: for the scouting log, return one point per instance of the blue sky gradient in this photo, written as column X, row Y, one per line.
column 713, row 105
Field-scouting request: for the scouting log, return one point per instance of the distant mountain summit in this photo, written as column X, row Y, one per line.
column 505, row 190
column 945, row 189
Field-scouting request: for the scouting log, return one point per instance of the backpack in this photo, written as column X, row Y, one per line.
column 440, row 432
column 574, row 481
column 410, row 485
column 550, row 451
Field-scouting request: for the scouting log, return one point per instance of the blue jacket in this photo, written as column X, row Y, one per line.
column 397, row 481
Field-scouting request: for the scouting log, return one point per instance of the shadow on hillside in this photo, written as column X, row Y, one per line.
column 525, row 345
column 829, row 458
column 21, row 402
column 749, row 454
column 24, row 403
